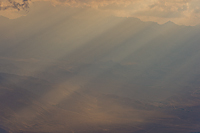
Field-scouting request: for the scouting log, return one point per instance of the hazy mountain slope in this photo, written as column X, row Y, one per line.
column 115, row 75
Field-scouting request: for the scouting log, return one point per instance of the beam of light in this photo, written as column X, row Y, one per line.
column 57, row 97
column 67, row 88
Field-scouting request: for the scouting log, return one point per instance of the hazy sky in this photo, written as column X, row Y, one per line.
column 184, row 12
column 68, row 65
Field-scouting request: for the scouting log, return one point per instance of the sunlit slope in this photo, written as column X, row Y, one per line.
column 23, row 110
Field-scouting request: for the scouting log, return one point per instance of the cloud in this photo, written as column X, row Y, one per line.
column 179, row 11
column 14, row 5
column 185, row 12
